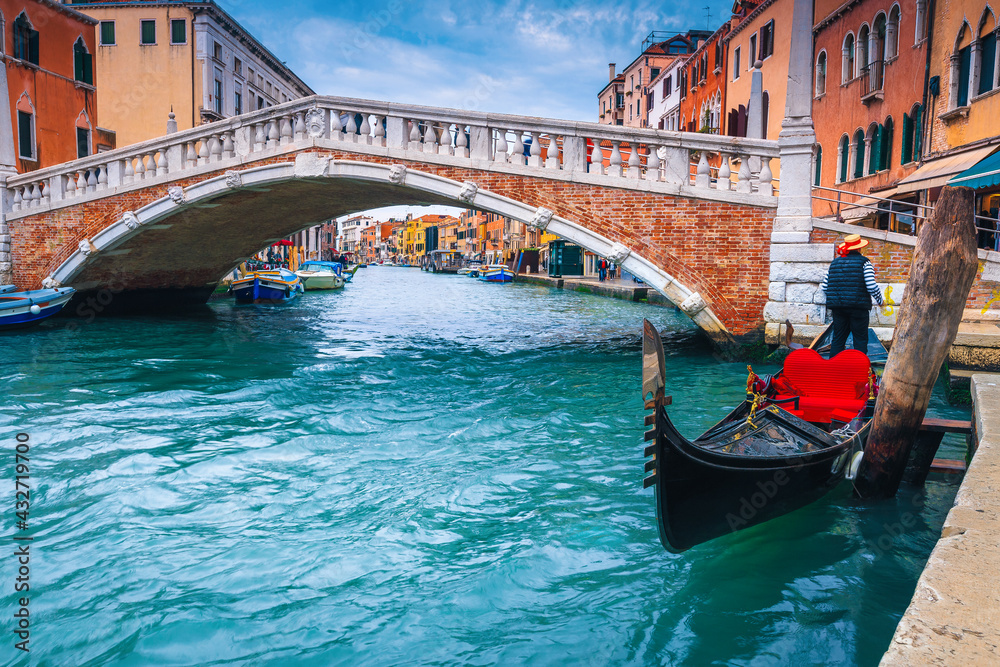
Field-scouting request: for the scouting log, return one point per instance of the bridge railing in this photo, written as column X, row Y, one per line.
column 695, row 162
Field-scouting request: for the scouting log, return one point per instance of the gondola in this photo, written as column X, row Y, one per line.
column 794, row 438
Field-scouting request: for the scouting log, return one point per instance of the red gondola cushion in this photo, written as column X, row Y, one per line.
column 828, row 388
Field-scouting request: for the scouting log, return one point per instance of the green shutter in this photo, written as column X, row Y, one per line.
column 918, row 135
column 875, row 154
column 107, row 32
column 905, row 153
column 33, row 46
column 88, row 68
column 845, row 154
column 77, row 64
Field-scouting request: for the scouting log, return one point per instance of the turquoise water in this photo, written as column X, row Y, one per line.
column 418, row 469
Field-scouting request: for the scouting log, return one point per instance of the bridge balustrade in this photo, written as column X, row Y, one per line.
column 697, row 164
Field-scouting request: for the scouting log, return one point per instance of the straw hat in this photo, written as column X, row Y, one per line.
column 852, row 242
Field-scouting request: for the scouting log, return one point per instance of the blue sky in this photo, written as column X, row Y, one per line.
column 541, row 58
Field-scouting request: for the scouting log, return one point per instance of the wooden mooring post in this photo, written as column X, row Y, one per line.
column 944, row 267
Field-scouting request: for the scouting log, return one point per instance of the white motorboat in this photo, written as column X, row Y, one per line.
column 316, row 275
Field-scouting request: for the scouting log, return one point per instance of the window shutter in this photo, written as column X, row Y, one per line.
column 875, row 150
column 33, row 46
column 88, row 68
column 77, row 64
column 964, row 61
column 988, row 51
column 918, row 135
column 844, row 157
column 905, row 153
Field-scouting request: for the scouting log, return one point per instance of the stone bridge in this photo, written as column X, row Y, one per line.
column 161, row 221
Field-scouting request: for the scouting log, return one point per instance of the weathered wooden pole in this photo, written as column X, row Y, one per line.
column 944, row 266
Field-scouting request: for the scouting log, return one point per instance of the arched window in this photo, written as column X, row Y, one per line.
column 878, row 51
column 843, row 158
column 961, row 68
column 885, row 154
column 26, row 128
column 892, row 34
column 848, row 67
column 821, row 73
column 25, row 40
column 859, row 153
column 873, row 141
column 920, row 22
column 911, row 147
column 819, row 164
column 864, row 36
column 83, row 63
column 83, row 135
column 987, row 54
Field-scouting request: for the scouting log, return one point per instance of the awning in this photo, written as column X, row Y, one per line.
column 984, row 174
column 936, row 173
column 871, row 205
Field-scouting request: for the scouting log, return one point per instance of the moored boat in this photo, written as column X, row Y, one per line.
column 496, row 273
column 274, row 286
column 793, row 439
column 318, row 275
column 24, row 309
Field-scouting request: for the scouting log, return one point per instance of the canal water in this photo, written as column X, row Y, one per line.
column 418, row 469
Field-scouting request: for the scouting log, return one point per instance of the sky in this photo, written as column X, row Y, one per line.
column 544, row 58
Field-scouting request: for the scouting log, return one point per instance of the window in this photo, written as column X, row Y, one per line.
column 765, row 101
column 844, row 158
column 920, row 23
column 178, row 31
column 753, row 51
column 238, row 99
column 874, row 141
column 736, row 63
column 653, row 73
column 25, row 40
column 718, row 55
column 964, row 63
column 819, row 164
column 148, row 31
column 250, row 76
column 83, row 63
column 987, row 54
column 859, row 154
column 848, row 69
column 862, row 52
column 892, row 34
column 25, row 135
column 620, row 100
column 885, row 154
column 82, row 142
column 219, row 92
column 911, row 135
column 107, row 33
column 217, row 51
column 238, row 66
column 821, row 74
column 767, row 40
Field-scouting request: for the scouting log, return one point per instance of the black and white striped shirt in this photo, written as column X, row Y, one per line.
column 870, row 283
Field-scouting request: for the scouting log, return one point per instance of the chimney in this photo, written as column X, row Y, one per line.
column 611, row 71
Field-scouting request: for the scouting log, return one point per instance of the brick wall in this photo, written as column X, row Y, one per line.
column 719, row 250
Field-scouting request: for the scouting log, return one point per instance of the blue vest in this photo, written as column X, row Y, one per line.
column 845, row 283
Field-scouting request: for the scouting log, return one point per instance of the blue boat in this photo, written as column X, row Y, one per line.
column 496, row 273
column 23, row 309
column 276, row 286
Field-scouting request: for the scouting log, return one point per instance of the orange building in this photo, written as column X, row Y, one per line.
column 51, row 83
column 869, row 75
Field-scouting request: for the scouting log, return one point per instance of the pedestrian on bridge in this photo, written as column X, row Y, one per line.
column 850, row 288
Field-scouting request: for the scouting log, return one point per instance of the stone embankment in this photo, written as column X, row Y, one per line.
column 616, row 289
column 954, row 616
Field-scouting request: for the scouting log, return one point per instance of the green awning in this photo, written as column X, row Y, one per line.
column 983, row 174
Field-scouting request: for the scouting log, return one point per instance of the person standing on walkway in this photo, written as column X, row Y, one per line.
column 602, row 269
column 850, row 288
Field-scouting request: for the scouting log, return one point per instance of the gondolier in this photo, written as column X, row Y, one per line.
column 850, row 288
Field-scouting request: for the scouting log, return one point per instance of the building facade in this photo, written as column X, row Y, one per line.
column 51, row 84
column 191, row 58
column 665, row 98
column 761, row 37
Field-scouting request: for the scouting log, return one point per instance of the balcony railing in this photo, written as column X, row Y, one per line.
column 872, row 79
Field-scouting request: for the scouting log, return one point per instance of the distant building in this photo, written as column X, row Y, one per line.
column 192, row 57
column 51, row 84
column 762, row 36
column 665, row 98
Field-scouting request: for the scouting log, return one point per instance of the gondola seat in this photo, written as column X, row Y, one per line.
column 827, row 389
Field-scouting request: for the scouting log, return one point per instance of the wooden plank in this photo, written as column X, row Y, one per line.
column 651, row 465
column 649, row 481
column 947, row 466
column 946, row 425
column 650, row 434
column 649, row 450
column 650, row 419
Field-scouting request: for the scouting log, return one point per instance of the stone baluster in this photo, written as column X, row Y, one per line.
column 380, row 122
column 703, row 179
column 766, row 186
column 273, row 134
column 70, row 187
column 162, row 165
column 228, row 145
column 743, row 179
column 285, row 130
column 461, row 142
column 259, row 137
column 140, row 167
column 414, row 143
column 724, row 181
column 16, row 204
column 446, row 147
column 634, row 161
column 91, row 180
column 300, row 126
column 36, row 195
column 191, row 157
column 653, row 163
column 552, row 153
column 500, row 154
column 203, row 152
column 366, row 130
column 351, row 130
column 535, row 151
column 430, row 138
column 102, row 176
column 336, row 127
column 81, row 183
column 597, row 158
column 215, row 147
column 517, row 157
column 128, row 173
column 615, row 161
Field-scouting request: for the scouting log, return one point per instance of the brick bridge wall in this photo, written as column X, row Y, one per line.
column 719, row 249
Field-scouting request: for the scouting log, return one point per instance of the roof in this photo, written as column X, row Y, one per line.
column 69, row 11
column 758, row 10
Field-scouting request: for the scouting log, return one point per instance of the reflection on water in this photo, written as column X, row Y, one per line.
column 418, row 469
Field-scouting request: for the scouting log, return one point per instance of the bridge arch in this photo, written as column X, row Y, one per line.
column 134, row 238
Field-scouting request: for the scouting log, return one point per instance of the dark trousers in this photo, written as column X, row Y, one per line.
column 852, row 321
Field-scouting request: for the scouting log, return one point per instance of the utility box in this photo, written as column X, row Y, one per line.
column 565, row 259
